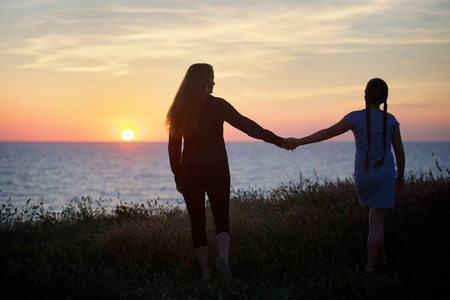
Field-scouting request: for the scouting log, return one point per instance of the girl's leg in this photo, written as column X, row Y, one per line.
column 382, row 253
column 375, row 241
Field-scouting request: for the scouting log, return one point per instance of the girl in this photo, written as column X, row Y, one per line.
column 374, row 131
column 197, row 117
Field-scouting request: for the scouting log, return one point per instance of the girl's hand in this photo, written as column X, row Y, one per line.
column 399, row 182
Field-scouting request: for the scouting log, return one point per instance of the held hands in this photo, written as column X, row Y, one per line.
column 290, row 144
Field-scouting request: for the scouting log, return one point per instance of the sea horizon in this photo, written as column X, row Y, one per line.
column 57, row 172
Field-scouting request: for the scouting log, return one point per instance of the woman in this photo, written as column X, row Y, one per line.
column 374, row 131
column 197, row 117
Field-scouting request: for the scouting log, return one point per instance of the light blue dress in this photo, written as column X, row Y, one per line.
column 375, row 187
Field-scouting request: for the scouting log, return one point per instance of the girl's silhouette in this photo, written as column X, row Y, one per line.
column 374, row 131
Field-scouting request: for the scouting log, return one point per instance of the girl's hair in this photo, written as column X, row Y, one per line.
column 376, row 92
column 184, row 114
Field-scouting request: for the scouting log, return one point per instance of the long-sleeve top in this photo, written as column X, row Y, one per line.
column 207, row 147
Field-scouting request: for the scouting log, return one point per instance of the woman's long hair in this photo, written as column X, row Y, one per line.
column 184, row 114
column 376, row 92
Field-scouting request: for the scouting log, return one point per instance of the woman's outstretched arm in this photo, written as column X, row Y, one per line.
column 337, row 129
column 250, row 127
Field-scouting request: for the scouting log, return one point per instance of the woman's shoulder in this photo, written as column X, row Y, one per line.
column 215, row 99
column 217, row 102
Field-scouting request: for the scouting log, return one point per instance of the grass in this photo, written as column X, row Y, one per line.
column 298, row 241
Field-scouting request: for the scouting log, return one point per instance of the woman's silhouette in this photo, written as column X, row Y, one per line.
column 202, row 165
column 374, row 131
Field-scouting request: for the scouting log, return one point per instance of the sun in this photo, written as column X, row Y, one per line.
column 127, row 135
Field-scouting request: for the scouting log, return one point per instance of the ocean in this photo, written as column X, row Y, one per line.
column 56, row 173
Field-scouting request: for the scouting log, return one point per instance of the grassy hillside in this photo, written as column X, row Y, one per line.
column 299, row 241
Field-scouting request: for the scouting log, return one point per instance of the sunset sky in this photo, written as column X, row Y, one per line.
column 84, row 70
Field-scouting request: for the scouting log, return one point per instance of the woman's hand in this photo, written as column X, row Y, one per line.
column 179, row 189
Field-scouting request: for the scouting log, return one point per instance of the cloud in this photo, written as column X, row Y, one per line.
column 147, row 10
column 113, row 38
column 87, row 53
column 25, row 4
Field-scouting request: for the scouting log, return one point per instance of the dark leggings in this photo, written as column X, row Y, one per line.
column 194, row 181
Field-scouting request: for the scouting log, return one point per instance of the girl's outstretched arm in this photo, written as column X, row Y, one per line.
column 337, row 129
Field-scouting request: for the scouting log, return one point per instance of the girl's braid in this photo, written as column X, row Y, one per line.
column 379, row 162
